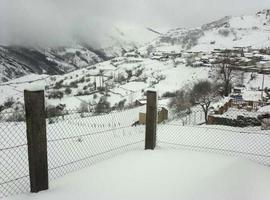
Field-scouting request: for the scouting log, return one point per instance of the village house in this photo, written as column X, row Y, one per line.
column 162, row 116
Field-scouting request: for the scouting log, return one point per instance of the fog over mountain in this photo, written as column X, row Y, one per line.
column 49, row 23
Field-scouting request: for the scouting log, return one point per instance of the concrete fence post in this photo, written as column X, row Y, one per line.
column 151, row 120
column 36, row 139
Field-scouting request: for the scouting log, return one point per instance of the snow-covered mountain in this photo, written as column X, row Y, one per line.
column 228, row 32
column 122, row 38
column 168, row 63
column 17, row 61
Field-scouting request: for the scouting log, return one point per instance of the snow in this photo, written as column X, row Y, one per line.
column 162, row 76
column 243, row 31
column 252, row 96
column 36, row 87
column 162, row 174
column 233, row 113
column 264, row 109
column 15, row 87
column 181, row 76
column 159, row 174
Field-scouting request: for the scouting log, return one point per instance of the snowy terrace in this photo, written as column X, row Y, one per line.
column 77, row 141
column 162, row 174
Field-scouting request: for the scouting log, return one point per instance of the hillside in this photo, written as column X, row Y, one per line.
column 228, row 32
column 17, row 61
column 87, row 76
column 123, row 80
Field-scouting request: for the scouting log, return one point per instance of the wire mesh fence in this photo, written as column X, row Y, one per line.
column 236, row 132
column 74, row 140
column 77, row 140
column 14, row 175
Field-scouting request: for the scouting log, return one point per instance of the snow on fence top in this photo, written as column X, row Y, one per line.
column 35, row 86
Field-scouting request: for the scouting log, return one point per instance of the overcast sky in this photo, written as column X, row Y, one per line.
column 57, row 22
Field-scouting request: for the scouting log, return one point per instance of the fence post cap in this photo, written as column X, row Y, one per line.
column 35, row 87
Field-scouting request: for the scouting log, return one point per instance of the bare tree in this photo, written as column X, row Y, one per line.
column 181, row 103
column 225, row 71
column 203, row 93
column 84, row 108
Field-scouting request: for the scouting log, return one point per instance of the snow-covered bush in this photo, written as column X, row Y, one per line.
column 9, row 102
column 52, row 112
column 224, row 32
column 58, row 84
column 120, row 105
column 103, row 106
column 17, row 114
column 2, row 108
column 84, row 108
column 169, row 94
column 120, row 78
column 68, row 90
column 73, row 84
column 16, row 117
column 56, row 94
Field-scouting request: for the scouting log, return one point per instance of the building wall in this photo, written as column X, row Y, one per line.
column 162, row 115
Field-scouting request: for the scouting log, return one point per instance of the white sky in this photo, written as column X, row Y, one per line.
column 47, row 22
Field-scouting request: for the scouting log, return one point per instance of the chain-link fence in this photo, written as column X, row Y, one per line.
column 236, row 132
column 14, row 174
column 74, row 140
column 77, row 140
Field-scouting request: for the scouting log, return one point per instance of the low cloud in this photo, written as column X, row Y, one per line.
column 63, row 22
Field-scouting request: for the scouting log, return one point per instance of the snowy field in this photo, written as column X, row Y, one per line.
column 251, row 142
column 162, row 174
column 76, row 142
column 73, row 143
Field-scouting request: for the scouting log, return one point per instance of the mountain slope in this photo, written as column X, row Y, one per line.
column 228, row 32
column 17, row 61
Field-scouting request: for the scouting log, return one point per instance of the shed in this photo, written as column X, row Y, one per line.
column 162, row 116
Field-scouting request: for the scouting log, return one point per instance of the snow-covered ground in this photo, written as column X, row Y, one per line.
column 162, row 174
column 163, row 76
column 73, row 143
column 250, row 142
column 75, row 139
column 225, row 33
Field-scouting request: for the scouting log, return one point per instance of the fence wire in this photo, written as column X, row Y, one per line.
column 77, row 140
column 14, row 175
column 74, row 140
column 236, row 132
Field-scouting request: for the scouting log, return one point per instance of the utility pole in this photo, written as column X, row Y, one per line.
column 262, row 87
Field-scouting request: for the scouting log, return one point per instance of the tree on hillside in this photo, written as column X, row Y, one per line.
column 225, row 71
column 102, row 106
column 181, row 103
column 203, row 93
column 84, row 108
column 150, row 50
